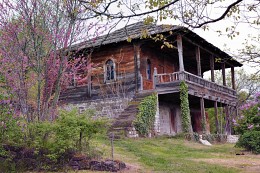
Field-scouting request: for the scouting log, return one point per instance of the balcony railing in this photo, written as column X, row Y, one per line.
column 176, row 76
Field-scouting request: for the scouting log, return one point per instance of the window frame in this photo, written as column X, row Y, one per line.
column 109, row 63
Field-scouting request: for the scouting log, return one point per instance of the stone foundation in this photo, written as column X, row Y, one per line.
column 107, row 107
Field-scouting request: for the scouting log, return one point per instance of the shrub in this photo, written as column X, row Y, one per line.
column 248, row 125
column 144, row 121
column 250, row 140
column 11, row 125
column 71, row 131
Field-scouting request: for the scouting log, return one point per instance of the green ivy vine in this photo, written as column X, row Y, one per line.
column 145, row 118
column 185, row 110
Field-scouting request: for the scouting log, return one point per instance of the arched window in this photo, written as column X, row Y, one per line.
column 109, row 70
column 148, row 70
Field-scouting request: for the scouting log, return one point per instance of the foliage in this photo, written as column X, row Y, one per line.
column 249, row 120
column 11, row 125
column 250, row 140
column 185, row 110
column 32, row 61
column 248, row 125
column 144, row 121
column 69, row 132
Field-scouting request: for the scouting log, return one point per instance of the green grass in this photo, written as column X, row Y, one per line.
column 169, row 155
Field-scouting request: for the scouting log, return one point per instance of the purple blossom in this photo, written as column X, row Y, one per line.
column 257, row 95
column 248, row 105
column 250, row 126
column 241, row 117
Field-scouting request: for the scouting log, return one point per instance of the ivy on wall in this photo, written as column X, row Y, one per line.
column 185, row 110
column 145, row 118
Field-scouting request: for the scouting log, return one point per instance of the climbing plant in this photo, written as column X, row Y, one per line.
column 185, row 110
column 146, row 115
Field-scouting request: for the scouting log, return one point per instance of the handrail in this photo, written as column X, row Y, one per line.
column 176, row 76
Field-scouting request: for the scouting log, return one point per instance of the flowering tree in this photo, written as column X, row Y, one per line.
column 36, row 38
column 248, row 125
column 249, row 120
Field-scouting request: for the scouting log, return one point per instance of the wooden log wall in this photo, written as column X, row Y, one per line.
column 123, row 57
column 163, row 62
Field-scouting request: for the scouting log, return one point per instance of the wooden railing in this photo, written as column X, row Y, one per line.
column 176, row 76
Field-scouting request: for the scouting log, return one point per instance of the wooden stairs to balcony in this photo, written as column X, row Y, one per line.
column 124, row 123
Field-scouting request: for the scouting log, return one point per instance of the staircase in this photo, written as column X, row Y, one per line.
column 123, row 125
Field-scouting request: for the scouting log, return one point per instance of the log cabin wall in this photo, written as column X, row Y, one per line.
column 122, row 56
column 162, row 61
column 123, row 84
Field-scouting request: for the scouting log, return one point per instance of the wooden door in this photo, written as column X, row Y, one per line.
column 173, row 121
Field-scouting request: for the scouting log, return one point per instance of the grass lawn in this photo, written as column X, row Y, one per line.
column 178, row 155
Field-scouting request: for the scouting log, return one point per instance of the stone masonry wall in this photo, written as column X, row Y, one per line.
column 107, row 107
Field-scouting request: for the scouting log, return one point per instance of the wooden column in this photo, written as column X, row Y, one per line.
column 228, row 121
column 216, row 116
column 154, row 77
column 180, row 52
column 89, row 78
column 203, row 116
column 233, row 78
column 198, row 61
column 137, row 65
column 224, row 74
column 212, row 68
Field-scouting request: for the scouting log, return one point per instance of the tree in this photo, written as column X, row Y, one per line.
column 36, row 37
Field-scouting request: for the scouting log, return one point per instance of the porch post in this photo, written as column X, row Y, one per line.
column 137, row 65
column 180, row 52
column 154, row 77
column 203, row 116
column 198, row 61
column 89, row 84
column 233, row 78
column 216, row 116
column 224, row 74
column 212, row 68
column 228, row 122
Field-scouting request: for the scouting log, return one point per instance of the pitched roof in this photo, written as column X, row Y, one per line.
column 135, row 31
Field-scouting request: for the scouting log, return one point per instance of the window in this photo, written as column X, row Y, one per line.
column 109, row 70
column 148, row 70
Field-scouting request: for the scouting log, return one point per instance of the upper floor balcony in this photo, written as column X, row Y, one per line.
column 169, row 83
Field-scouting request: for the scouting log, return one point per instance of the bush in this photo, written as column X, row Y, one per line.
column 250, row 140
column 71, row 131
column 145, row 118
column 11, row 125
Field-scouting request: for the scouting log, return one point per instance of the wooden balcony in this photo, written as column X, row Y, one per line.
column 169, row 83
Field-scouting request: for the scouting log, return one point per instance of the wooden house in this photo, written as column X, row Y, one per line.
column 137, row 60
